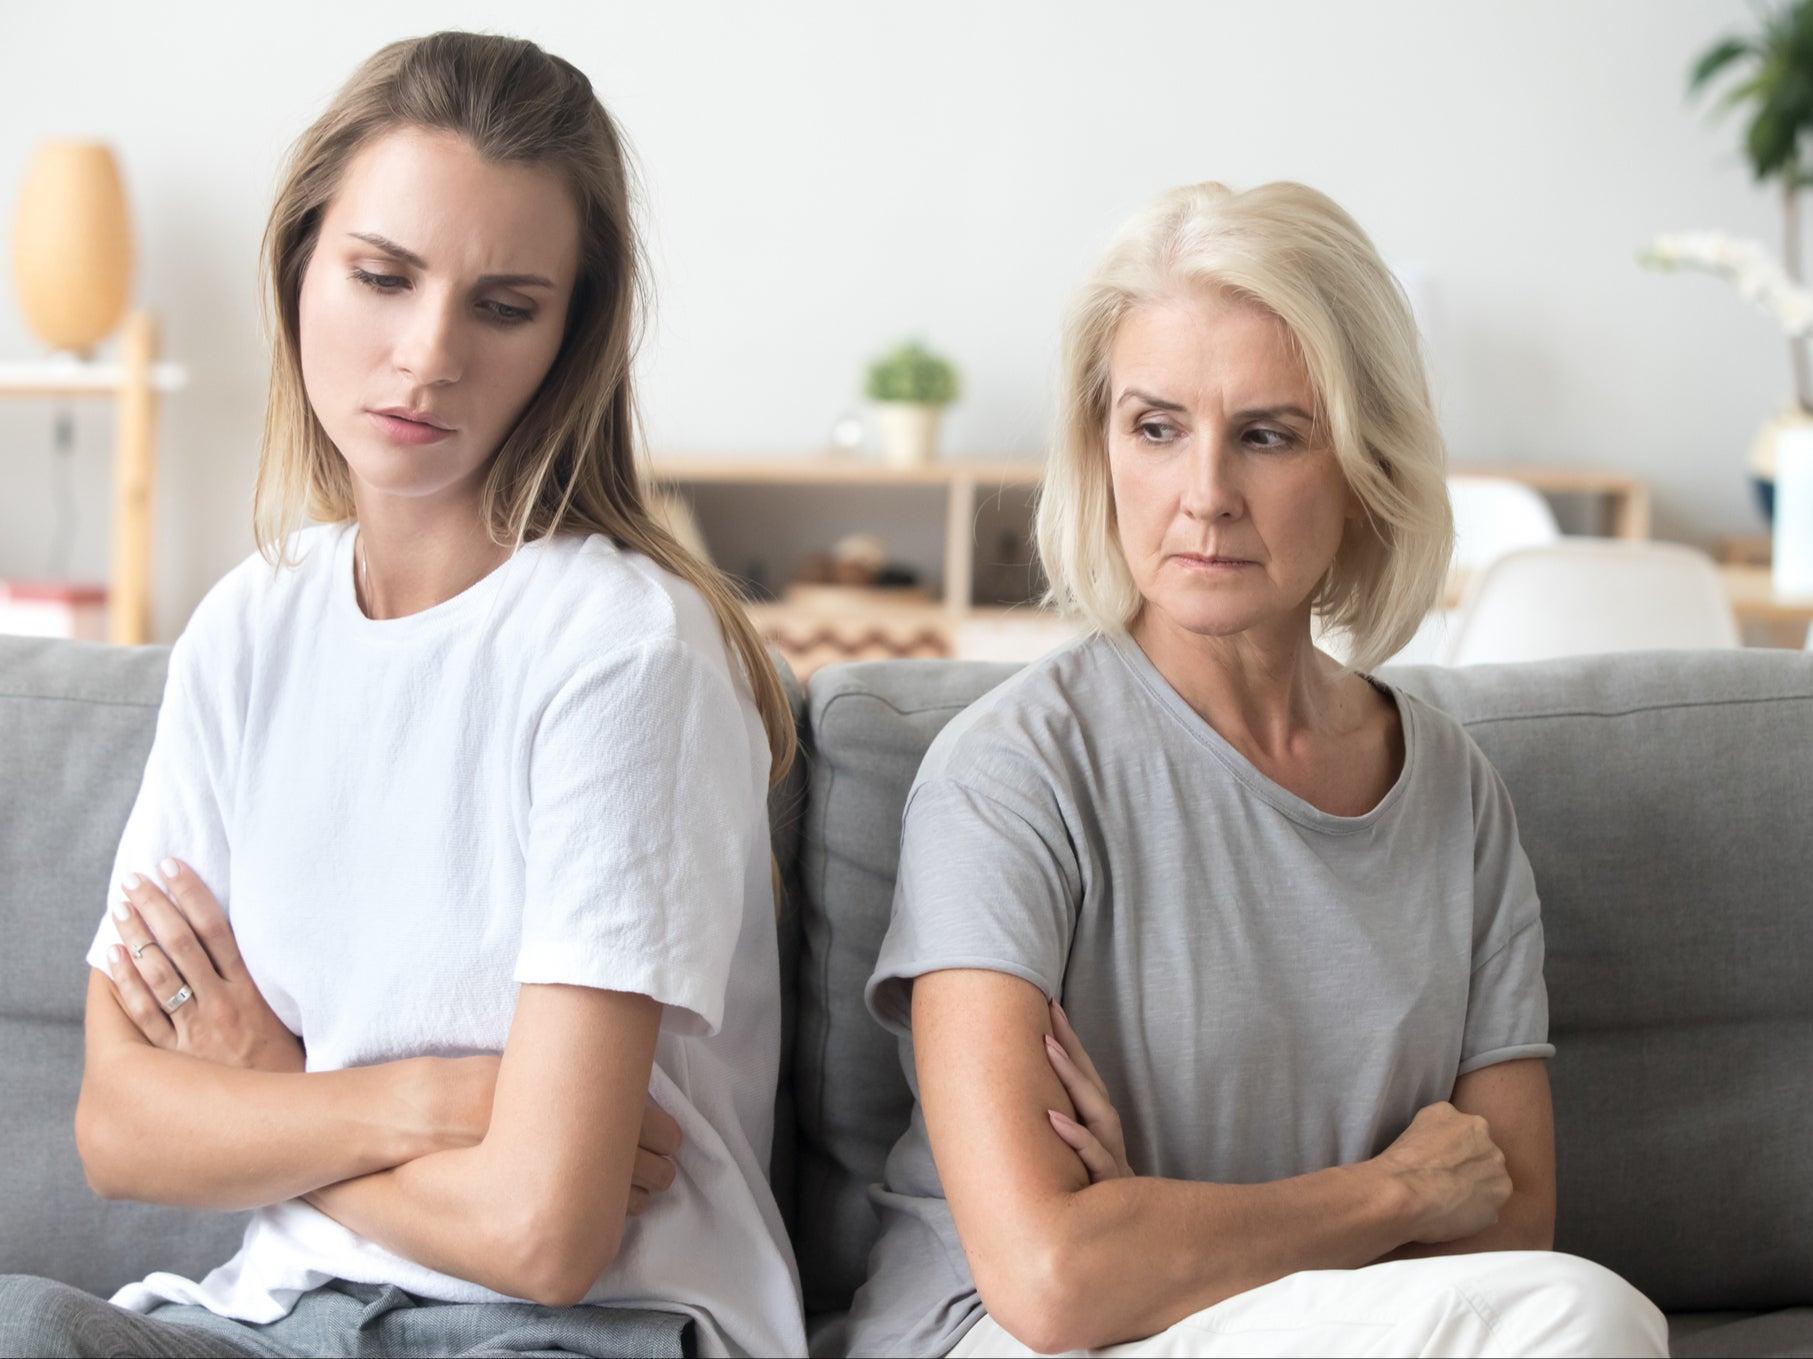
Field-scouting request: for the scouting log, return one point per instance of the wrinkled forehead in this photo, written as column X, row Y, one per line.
column 434, row 194
column 1205, row 345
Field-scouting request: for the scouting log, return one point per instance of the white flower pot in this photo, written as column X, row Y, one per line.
column 1793, row 548
column 909, row 433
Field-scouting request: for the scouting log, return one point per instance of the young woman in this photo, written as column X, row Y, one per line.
column 477, row 766
column 1284, row 904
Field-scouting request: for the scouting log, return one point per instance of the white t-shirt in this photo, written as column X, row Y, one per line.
column 557, row 776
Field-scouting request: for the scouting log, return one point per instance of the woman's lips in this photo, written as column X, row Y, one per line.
column 1195, row 562
column 402, row 430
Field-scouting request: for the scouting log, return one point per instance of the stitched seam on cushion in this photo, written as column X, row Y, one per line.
column 1670, row 706
column 76, row 698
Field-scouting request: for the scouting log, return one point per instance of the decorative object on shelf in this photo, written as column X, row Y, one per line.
column 1777, row 89
column 31, row 608
column 72, row 264
column 1793, row 552
column 72, row 245
column 857, row 564
column 133, row 383
column 910, row 387
column 846, row 435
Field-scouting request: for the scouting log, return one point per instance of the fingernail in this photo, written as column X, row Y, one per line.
column 116, row 958
column 167, row 868
column 1053, row 1046
column 121, row 910
column 1056, row 1117
column 132, row 882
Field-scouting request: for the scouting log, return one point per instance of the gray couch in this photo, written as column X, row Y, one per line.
column 1666, row 802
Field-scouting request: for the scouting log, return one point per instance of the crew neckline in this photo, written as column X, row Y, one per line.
column 1298, row 809
column 460, row 608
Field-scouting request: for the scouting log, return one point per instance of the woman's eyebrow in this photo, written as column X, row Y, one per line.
column 1272, row 413
column 409, row 257
column 1146, row 398
column 390, row 247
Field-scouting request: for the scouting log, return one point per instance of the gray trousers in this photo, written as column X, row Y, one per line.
column 370, row 1321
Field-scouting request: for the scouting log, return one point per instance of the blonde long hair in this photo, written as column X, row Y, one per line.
column 1296, row 253
column 570, row 465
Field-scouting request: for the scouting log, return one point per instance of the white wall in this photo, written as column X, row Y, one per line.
column 824, row 178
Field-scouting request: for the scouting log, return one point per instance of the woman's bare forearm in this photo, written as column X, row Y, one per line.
column 1128, row 1257
column 536, row 1209
column 163, row 1127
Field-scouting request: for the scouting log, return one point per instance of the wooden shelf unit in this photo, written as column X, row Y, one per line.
column 135, row 382
column 810, row 633
column 962, row 480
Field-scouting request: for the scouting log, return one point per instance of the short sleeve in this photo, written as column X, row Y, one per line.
column 1507, row 1002
column 983, row 883
column 644, row 819
column 182, row 808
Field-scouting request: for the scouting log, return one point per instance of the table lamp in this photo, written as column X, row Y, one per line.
column 72, row 245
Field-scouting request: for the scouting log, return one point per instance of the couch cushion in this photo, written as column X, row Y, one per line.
column 1663, row 800
column 1716, row 1335
column 76, row 720
column 869, row 724
column 75, row 726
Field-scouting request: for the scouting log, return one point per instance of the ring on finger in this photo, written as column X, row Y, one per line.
column 139, row 949
column 176, row 1002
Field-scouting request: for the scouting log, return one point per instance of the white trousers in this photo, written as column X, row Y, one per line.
column 1492, row 1303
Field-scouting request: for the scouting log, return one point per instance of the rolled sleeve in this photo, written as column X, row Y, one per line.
column 640, row 833
column 982, row 884
column 1507, row 1000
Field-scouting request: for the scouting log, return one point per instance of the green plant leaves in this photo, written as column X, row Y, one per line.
column 1716, row 59
column 1777, row 88
column 911, row 372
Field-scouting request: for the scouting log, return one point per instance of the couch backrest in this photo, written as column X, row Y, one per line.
column 1665, row 801
column 76, row 720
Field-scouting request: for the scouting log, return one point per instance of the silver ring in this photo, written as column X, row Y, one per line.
column 182, row 997
column 138, row 949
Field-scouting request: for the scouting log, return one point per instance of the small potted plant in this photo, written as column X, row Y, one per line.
column 910, row 387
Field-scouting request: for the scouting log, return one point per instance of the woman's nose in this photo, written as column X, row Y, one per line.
column 1212, row 483
column 428, row 350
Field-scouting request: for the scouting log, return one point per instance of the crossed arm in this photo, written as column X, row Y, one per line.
column 515, row 1173
column 1069, row 1250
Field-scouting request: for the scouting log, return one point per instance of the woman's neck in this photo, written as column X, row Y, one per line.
column 1263, row 690
column 412, row 556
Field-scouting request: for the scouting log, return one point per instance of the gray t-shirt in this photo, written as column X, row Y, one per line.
column 1267, row 990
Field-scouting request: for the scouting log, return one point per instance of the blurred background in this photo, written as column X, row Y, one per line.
column 823, row 180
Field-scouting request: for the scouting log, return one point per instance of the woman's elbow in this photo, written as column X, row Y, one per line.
column 98, row 1146
column 556, row 1263
column 1038, row 1299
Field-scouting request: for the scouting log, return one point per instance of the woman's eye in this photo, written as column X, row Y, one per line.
column 1269, row 438
column 1155, row 431
column 384, row 283
column 506, row 314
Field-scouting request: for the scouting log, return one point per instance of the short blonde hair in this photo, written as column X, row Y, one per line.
column 1297, row 254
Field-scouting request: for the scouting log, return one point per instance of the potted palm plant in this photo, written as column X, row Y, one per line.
column 1774, row 83
column 910, row 387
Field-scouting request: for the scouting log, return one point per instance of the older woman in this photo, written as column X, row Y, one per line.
column 1284, row 904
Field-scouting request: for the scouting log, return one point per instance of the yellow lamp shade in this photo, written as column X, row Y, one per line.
column 72, row 245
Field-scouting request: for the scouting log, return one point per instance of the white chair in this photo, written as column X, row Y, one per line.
column 1494, row 515
column 1582, row 596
